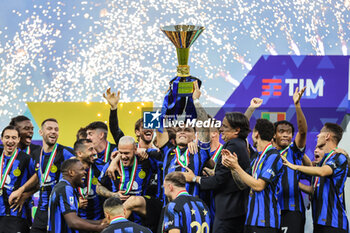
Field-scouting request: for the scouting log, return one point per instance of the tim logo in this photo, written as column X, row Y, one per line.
column 273, row 87
column 151, row 120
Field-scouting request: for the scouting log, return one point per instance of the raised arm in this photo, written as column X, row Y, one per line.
column 202, row 115
column 300, row 138
column 254, row 104
column 162, row 138
column 113, row 101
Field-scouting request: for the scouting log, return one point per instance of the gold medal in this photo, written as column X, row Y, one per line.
column 0, row 192
column 17, row 172
column 251, row 193
column 53, row 168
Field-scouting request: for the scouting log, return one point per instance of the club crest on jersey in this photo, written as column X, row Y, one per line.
column 53, row 168
column 142, row 174
column 17, row 172
column 94, row 181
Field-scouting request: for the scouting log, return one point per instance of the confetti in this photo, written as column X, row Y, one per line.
column 73, row 51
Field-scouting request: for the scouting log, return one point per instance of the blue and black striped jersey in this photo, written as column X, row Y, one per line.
column 196, row 164
column 263, row 208
column 208, row 195
column 63, row 153
column 100, row 160
column 328, row 204
column 94, row 209
column 289, row 194
column 186, row 213
column 144, row 171
column 30, row 150
column 21, row 170
column 125, row 226
column 63, row 200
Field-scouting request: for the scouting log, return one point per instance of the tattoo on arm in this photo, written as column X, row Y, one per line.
column 204, row 133
column 103, row 191
column 240, row 184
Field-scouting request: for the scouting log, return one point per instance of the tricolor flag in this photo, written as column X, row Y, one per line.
column 273, row 116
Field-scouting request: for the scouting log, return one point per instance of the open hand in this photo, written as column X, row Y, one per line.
column 297, row 95
column 112, row 98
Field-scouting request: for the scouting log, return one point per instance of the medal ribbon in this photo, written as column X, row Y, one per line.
column 217, row 152
column 183, row 192
column 8, row 167
column 88, row 187
column 132, row 178
column 324, row 161
column 284, row 151
column 106, row 156
column 28, row 150
column 117, row 219
column 48, row 165
column 186, row 156
column 257, row 161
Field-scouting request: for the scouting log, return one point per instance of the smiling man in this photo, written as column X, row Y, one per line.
column 63, row 206
column 229, row 198
column 144, row 136
column 97, row 132
column 90, row 204
column 26, row 132
column 133, row 181
column 47, row 165
column 289, row 196
column 15, row 169
column 329, row 176
column 178, row 157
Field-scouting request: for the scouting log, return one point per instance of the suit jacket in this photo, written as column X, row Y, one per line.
column 230, row 201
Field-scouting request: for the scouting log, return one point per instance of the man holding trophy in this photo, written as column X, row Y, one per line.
column 179, row 95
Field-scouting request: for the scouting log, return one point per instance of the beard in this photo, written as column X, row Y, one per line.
column 50, row 144
column 169, row 198
column 143, row 138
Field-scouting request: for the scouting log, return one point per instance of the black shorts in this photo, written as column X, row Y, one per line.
column 40, row 221
column 153, row 211
column 13, row 224
column 253, row 229
column 326, row 229
column 292, row 222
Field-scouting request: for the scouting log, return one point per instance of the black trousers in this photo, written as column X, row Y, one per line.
column 12, row 224
column 231, row 225
column 292, row 222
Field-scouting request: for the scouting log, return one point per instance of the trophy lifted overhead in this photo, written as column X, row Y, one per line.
column 179, row 95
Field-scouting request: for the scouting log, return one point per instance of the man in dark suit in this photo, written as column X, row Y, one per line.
column 230, row 196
